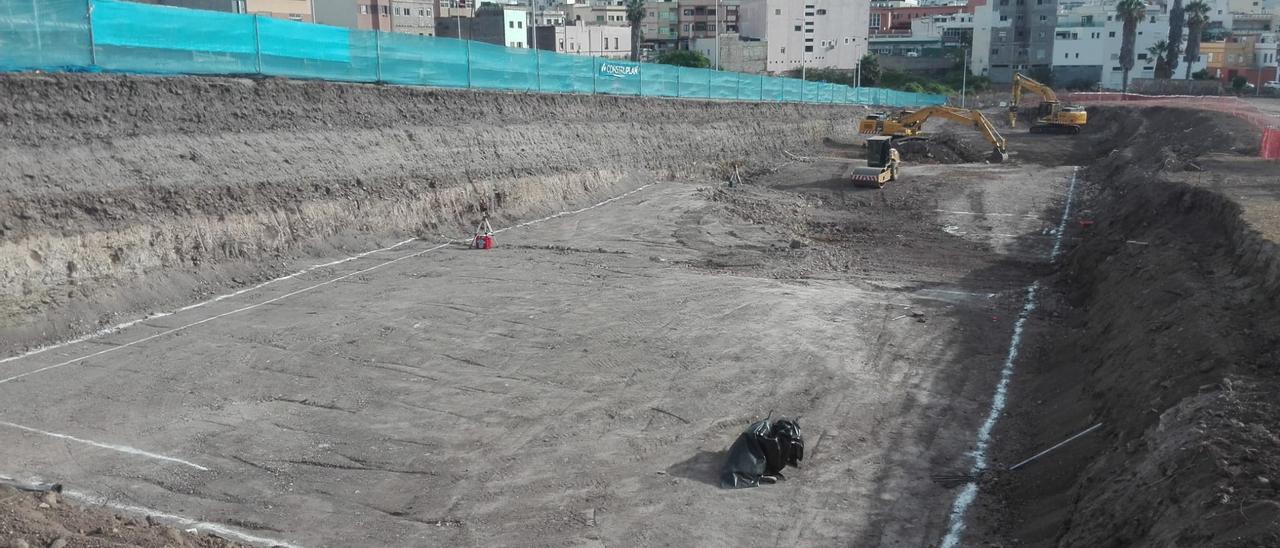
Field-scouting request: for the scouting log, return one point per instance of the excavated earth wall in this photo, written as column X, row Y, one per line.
column 1163, row 326
column 121, row 193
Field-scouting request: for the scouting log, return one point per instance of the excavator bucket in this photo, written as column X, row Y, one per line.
column 998, row 156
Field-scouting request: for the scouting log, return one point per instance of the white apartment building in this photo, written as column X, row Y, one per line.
column 598, row 40
column 515, row 25
column 811, row 33
column 1086, row 47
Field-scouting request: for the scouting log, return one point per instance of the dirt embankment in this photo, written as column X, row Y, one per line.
column 123, row 193
column 1164, row 329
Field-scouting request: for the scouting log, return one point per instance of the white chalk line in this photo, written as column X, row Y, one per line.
column 306, row 289
column 956, row 523
column 185, row 522
column 122, row 326
column 984, row 214
column 114, row 447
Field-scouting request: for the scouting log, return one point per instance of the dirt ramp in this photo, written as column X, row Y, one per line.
column 107, row 181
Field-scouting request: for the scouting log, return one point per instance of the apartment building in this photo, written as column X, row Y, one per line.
column 660, row 26
column 898, row 19
column 808, row 33
column 609, row 41
column 597, row 13
column 705, row 18
column 1086, row 47
column 1252, row 55
column 503, row 25
column 1013, row 36
column 413, row 17
column 293, row 10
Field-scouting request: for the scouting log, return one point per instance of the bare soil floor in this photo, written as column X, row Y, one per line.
column 578, row 384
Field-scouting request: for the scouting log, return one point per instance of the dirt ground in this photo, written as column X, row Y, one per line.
column 579, row 384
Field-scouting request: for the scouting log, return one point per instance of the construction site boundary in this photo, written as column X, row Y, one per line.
column 127, row 37
column 1268, row 125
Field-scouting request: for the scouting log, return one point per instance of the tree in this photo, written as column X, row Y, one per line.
column 1202, row 74
column 1197, row 18
column 1239, row 82
column 635, row 14
column 871, row 72
column 1156, row 51
column 1173, row 48
column 684, row 58
column 1130, row 11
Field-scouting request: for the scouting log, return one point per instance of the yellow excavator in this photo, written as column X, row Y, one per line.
column 909, row 124
column 1051, row 116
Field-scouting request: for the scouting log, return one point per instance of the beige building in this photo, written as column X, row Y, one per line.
column 293, row 10
column 413, row 17
column 610, row 14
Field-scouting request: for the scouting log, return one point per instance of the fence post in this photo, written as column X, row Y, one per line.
column 377, row 56
column 257, row 45
column 595, row 76
column 677, row 81
column 640, row 73
column 468, row 44
column 88, row 12
column 762, row 89
column 708, row 83
column 737, row 80
column 537, row 63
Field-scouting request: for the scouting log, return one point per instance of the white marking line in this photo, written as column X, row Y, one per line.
column 1066, row 212
column 220, row 530
column 306, row 289
column 111, row 446
column 131, row 323
column 966, row 497
column 981, row 214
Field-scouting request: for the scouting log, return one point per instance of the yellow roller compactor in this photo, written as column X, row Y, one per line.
column 909, row 124
column 882, row 164
column 1051, row 116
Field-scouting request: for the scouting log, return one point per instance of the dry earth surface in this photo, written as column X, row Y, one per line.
column 579, row 384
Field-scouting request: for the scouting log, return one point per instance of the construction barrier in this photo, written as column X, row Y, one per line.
column 1268, row 125
column 116, row 36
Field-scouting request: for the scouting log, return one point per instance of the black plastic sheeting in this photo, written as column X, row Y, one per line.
column 761, row 452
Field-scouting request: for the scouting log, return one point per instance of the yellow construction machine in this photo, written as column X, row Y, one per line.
column 1051, row 116
column 908, row 124
column 882, row 164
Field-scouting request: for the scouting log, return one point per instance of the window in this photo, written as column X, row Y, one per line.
column 364, row 10
column 1077, row 56
column 808, row 49
column 386, row 10
column 690, row 12
column 777, row 12
column 1142, row 57
column 615, row 43
column 711, row 11
column 1043, row 18
column 1004, row 17
column 1112, row 34
column 519, row 24
column 798, row 27
column 783, row 49
column 824, row 12
column 995, row 51
column 511, row 24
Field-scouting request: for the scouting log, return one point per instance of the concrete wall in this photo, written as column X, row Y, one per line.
column 735, row 54
column 339, row 13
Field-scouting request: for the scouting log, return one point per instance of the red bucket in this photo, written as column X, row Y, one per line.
column 483, row 241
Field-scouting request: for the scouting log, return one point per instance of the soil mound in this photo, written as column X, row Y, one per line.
column 940, row 148
column 47, row 519
column 1168, row 308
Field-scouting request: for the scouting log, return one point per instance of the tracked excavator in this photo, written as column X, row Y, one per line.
column 909, row 124
column 1051, row 116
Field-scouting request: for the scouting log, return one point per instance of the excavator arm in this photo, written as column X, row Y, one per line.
column 1052, row 115
column 1021, row 83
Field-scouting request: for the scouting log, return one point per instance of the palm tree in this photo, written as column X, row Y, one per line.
column 1131, row 11
column 1156, row 51
column 1177, row 20
column 1197, row 18
column 635, row 14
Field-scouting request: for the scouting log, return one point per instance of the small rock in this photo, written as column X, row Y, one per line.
column 60, row 543
column 43, row 505
column 151, row 521
column 1264, row 480
column 50, row 498
column 796, row 244
column 175, row 536
column 19, row 543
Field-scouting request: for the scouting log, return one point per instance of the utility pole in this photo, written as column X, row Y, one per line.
column 964, row 77
column 716, row 27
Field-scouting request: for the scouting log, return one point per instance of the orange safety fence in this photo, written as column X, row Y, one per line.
column 1268, row 125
